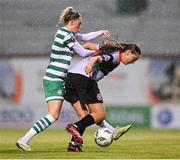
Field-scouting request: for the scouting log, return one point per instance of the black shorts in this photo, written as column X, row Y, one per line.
column 81, row 88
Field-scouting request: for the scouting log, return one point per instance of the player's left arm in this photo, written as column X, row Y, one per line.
column 92, row 35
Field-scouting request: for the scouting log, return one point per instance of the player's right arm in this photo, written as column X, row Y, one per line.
column 98, row 59
column 91, row 63
column 81, row 50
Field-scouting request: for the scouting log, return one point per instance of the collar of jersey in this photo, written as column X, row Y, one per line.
column 66, row 30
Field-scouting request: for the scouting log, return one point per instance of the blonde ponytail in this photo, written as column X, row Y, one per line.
column 67, row 15
column 64, row 13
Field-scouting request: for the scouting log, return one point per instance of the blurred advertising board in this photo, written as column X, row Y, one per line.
column 164, row 81
column 138, row 116
column 22, row 100
column 127, row 84
column 21, row 82
column 166, row 116
column 24, row 115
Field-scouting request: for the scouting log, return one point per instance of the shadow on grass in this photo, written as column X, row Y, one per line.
column 31, row 152
column 62, row 150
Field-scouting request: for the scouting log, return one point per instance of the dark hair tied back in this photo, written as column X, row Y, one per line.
column 133, row 47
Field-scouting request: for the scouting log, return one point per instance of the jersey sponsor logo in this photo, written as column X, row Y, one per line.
column 99, row 97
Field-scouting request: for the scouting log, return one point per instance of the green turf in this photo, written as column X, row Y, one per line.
column 52, row 144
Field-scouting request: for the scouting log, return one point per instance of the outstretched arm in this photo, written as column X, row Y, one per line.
column 93, row 35
column 91, row 46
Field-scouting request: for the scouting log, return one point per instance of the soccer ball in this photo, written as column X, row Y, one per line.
column 103, row 137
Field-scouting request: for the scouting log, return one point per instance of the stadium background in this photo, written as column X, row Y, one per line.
column 146, row 94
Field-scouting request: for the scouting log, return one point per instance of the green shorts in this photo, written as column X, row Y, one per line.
column 54, row 90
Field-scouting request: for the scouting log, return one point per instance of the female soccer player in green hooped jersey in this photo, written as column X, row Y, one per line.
column 64, row 46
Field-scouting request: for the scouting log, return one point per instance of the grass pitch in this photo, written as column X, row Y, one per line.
column 135, row 144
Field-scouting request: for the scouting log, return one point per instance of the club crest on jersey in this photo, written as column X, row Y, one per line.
column 99, row 97
column 59, row 92
column 106, row 57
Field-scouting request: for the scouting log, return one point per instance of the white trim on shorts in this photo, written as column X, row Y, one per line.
column 52, row 79
column 54, row 98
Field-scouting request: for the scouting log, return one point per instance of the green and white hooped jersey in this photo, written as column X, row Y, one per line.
column 61, row 55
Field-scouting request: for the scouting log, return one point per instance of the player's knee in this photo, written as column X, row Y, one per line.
column 101, row 115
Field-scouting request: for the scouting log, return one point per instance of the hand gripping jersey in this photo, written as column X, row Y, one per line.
column 108, row 62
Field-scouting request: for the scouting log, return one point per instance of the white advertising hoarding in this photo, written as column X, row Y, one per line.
column 126, row 85
column 166, row 116
column 22, row 100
